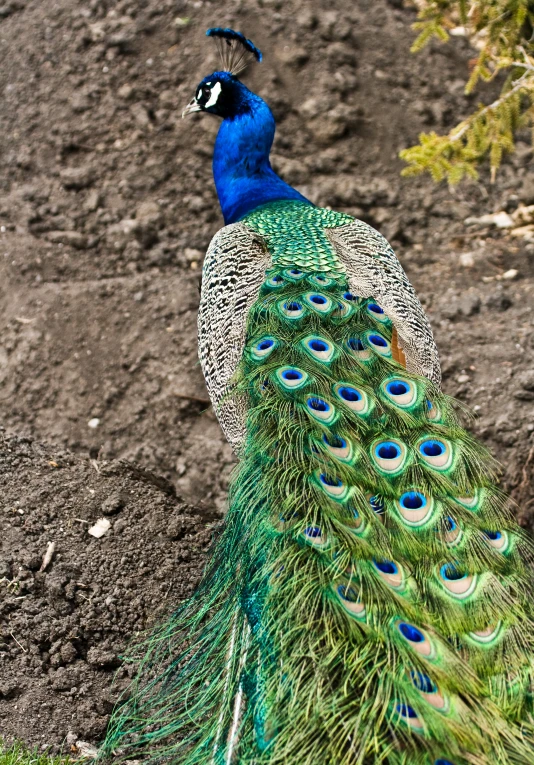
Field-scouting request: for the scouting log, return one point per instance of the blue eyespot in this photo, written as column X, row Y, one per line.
column 493, row 535
column 330, row 481
column 376, row 504
column 449, row 523
column 318, row 405
column 313, row 532
column 388, row 450
column 318, row 299
column 292, row 306
column 422, row 682
column 429, row 404
column 356, row 344
column 336, row 442
column 411, row 633
column 451, row 573
column 406, row 710
column 318, row 345
column 412, row 500
column 292, row 374
column 375, row 308
column 378, row 340
column 295, row 272
column 350, row 296
column 264, row 345
column 432, row 448
column 397, row 388
column 349, row 394
column 441, row 761
column 320, row 278
column 277, row 279
column 348, row 593
column 386, row 566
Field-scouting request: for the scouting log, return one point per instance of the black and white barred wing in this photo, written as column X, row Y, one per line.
column 233, row 272
column 373, row 270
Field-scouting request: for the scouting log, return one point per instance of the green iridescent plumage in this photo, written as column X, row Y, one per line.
column 368, row 597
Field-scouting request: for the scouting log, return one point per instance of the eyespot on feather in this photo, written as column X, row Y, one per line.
column 320, row 280
column 291, row 378
column 416, row 638
column 415, row 508
column 357, row 348
column 390, row 572
column 263, row 348
column 435, row 453
column 458, row 584
column 314, row 536
column 275, row 282
column 319, row 348
column 294, row 274
column 499, row 540
column 338, row 447
column 377, row 313
column 320, row 409
column 349, row 598
column 400, row 391
column 354, row 398
column 389, row 456
column 291, row 309
column 318, row 302
column 332, row 486
column 488, row 635
column 378, row 343
column 409, row 716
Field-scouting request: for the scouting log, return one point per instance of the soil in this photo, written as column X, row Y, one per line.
column 106, row 208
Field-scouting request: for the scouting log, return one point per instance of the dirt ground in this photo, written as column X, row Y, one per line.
column 106, row 208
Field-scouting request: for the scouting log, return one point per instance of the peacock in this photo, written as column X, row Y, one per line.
column 369, row 596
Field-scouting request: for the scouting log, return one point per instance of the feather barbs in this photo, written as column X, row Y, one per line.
column 236, row 51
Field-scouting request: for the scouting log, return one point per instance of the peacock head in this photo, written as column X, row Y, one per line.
column 221, row 93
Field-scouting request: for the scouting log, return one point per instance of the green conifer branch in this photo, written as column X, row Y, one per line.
column 503, row 33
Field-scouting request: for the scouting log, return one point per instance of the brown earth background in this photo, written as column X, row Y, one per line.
column 106, row 208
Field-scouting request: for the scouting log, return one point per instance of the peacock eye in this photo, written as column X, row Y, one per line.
column 206, row 92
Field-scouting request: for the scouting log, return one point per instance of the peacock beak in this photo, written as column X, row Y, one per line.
column 191, row 107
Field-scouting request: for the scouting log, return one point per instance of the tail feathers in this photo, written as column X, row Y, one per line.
column 368, row 601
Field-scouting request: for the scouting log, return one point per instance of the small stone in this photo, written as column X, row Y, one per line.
column 463, row 378
column 140, row 112
column 526, row 379
column 512, row 273
column 113, row 504
column 500, row 219
column 468, row 305
column 125, row 91
column 467, row 259
column 76, row 177
column 71, row 238
column 93, row 423
column 100, row 528
column 92, row 201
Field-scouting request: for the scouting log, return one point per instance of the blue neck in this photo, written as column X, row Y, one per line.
column 243, row 175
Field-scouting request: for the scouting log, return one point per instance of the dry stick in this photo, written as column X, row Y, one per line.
column 17, row 642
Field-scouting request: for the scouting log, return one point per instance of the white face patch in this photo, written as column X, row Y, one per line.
column 215, row 92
